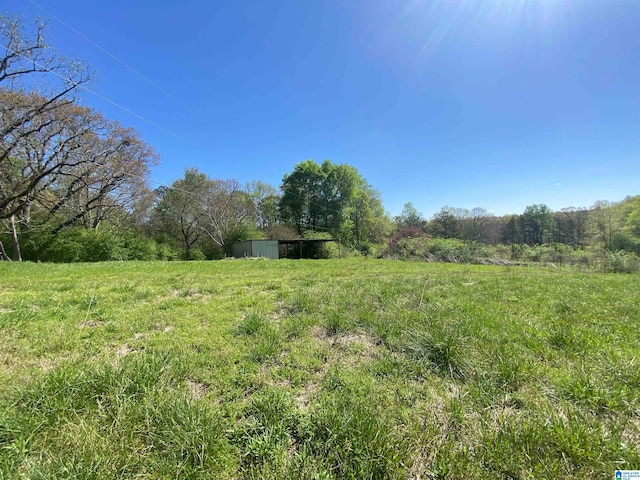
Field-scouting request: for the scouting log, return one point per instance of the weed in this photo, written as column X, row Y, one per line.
column 252, row 324
column 442, row 347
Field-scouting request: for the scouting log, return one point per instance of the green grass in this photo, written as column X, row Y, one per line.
column 317, row 370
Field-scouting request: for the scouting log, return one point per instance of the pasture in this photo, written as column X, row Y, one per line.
column 317, row 370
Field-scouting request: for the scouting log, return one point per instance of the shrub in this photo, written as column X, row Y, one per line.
column 82, row 245
column 619, row 261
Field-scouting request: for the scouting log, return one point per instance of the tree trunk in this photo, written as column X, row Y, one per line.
column 17, row 256
column 3, row 253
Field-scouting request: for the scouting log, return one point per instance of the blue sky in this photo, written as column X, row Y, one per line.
column 491, row 103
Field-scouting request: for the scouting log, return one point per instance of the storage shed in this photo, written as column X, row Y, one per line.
column 256, row 248
column 296, row 248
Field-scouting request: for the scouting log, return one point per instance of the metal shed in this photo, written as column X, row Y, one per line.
column 256, row 248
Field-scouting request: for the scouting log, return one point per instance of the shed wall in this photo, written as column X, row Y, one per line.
column 265, row 248
column 241, row 249
column 256, row 248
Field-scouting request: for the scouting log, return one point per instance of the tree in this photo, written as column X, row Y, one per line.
column 301, row 204
column 75, row 168
column 27, row 58
column 605, row 222
column 409, row 218
column 227, row 212
column 570, row 226
column 327, row 198
column 512, row 230
column 370, row 222
column 39, row 157
column 476, row 225
column 112, row 180
column 179, row 209
column 537, row 222
column 445, row 223
column 265, row 199
column 26, row 108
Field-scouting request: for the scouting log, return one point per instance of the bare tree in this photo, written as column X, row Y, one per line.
column 111, row 180
column 39, row 157
column 227, row 210
column 29, row 62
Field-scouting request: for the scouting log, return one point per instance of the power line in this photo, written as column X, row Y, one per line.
column 192, row 194
column 102, row 97
column 117, row 59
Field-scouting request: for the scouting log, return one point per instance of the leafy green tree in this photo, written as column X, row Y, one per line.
column 409, row 218
column 179, row 209
column 331, row 198
column 446, row 223
column 605, row 223
column 302, row 203
column 370, row 222
column 537, row 222
column 266, row 199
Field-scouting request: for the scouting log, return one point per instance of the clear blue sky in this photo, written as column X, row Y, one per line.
column 491, row 103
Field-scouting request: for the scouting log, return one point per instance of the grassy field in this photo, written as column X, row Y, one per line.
column 317, row 370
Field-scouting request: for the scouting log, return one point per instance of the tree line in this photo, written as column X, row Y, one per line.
column 74, row 186
column 606, row 225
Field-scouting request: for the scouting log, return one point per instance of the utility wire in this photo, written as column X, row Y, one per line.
column 117, row 59
column 102, row 97
column 140, row 116
column 192, row 194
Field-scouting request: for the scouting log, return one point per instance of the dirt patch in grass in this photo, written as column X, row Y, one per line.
column 303, row 399
column 631, row 433
column 125, row 350
column 47, row 364
column 91, row 323
column 349, row 347
column 162, row 328
column 197, row 390
column 280, row 312
column 319, row 333
column 362, row 343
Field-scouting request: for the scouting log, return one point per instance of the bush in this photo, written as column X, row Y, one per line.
column 193, row 254
column 619, row 261
column 626, row 242
column 82, row 245
column 441, row 250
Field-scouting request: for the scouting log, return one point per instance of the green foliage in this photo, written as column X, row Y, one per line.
column 334, row 199
column 83, row 245
column 619, row 261
column 446, row 224
column 409, row 218
column 442, row 250
column 536, row 224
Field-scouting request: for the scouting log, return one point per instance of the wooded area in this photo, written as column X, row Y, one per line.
column 75, row 186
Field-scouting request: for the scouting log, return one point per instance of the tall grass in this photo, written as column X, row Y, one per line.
column 316, row 370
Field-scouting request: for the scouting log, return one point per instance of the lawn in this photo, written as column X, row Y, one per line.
column 317, row 370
